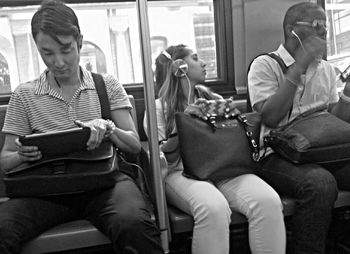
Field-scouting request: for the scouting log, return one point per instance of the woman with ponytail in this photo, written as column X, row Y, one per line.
column 182, row 72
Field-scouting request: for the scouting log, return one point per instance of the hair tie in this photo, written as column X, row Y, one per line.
column 167, row 55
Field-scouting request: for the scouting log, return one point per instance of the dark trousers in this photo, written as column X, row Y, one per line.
column 315, row 191
column 120, row 213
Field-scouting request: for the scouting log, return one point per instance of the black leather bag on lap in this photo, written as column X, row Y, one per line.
column 313, row 137
column 225, row 145
column 66, row 174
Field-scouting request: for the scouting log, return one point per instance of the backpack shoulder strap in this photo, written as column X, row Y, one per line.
column 275, row 57
column 279, row 60
column 102, row 95
column 284, row 69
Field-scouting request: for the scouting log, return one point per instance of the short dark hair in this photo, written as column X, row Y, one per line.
column 297, row 12
column 55, row 18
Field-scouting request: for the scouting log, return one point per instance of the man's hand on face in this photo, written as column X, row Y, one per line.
column 311, row 49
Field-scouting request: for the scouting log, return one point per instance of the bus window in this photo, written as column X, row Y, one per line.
column 187, row 22
column 111, row 38
column 5, row 82
column 338, row 48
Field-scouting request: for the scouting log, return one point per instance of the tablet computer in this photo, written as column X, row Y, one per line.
column 58, row 142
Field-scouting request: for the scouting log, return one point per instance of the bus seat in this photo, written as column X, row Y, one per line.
column 68, row 236
column 133, row 111
column 181, row 222
column 241, row 105
column 343, row 199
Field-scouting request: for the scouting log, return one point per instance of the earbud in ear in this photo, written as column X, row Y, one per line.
column 179, row 68
column 295, row 34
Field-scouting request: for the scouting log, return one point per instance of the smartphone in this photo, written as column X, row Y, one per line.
column 344, row 76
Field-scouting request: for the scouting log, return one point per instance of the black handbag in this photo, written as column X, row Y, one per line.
column 68, row 173
column 225, row 145
column 312, row 137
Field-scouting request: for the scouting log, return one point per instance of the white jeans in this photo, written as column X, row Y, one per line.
column 210, row 208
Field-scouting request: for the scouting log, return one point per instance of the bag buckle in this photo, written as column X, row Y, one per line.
column 58, row 167
column 255, row 148
column 212, row 118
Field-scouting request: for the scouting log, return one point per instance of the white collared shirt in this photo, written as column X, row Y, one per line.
column 317, row 86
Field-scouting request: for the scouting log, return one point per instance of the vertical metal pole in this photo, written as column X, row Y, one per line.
column 152, row 120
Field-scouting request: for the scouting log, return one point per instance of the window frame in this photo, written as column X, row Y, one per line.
column 224, row 46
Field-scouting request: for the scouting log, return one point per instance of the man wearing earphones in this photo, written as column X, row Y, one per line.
column 280, row 97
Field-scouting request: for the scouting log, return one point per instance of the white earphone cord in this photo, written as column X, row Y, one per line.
column 189, row 89
column 301, row 44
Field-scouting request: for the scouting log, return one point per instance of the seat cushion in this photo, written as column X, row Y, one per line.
column 343, row 199
column 72, row 235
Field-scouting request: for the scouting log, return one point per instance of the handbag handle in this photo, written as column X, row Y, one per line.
column 206, row 109
column 249, row 134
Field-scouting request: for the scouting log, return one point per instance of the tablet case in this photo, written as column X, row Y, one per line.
column 58, row 143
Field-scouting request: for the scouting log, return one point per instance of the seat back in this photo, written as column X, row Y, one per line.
column 133, row 111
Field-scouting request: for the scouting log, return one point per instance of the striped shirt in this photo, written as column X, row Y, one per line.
column 35, row 107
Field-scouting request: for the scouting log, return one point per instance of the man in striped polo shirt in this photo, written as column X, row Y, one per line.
column 62, row 97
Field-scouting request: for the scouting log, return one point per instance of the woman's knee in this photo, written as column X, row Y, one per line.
column 252, row 196
column 266, row 204
column 214, row 211
column 271, row 200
